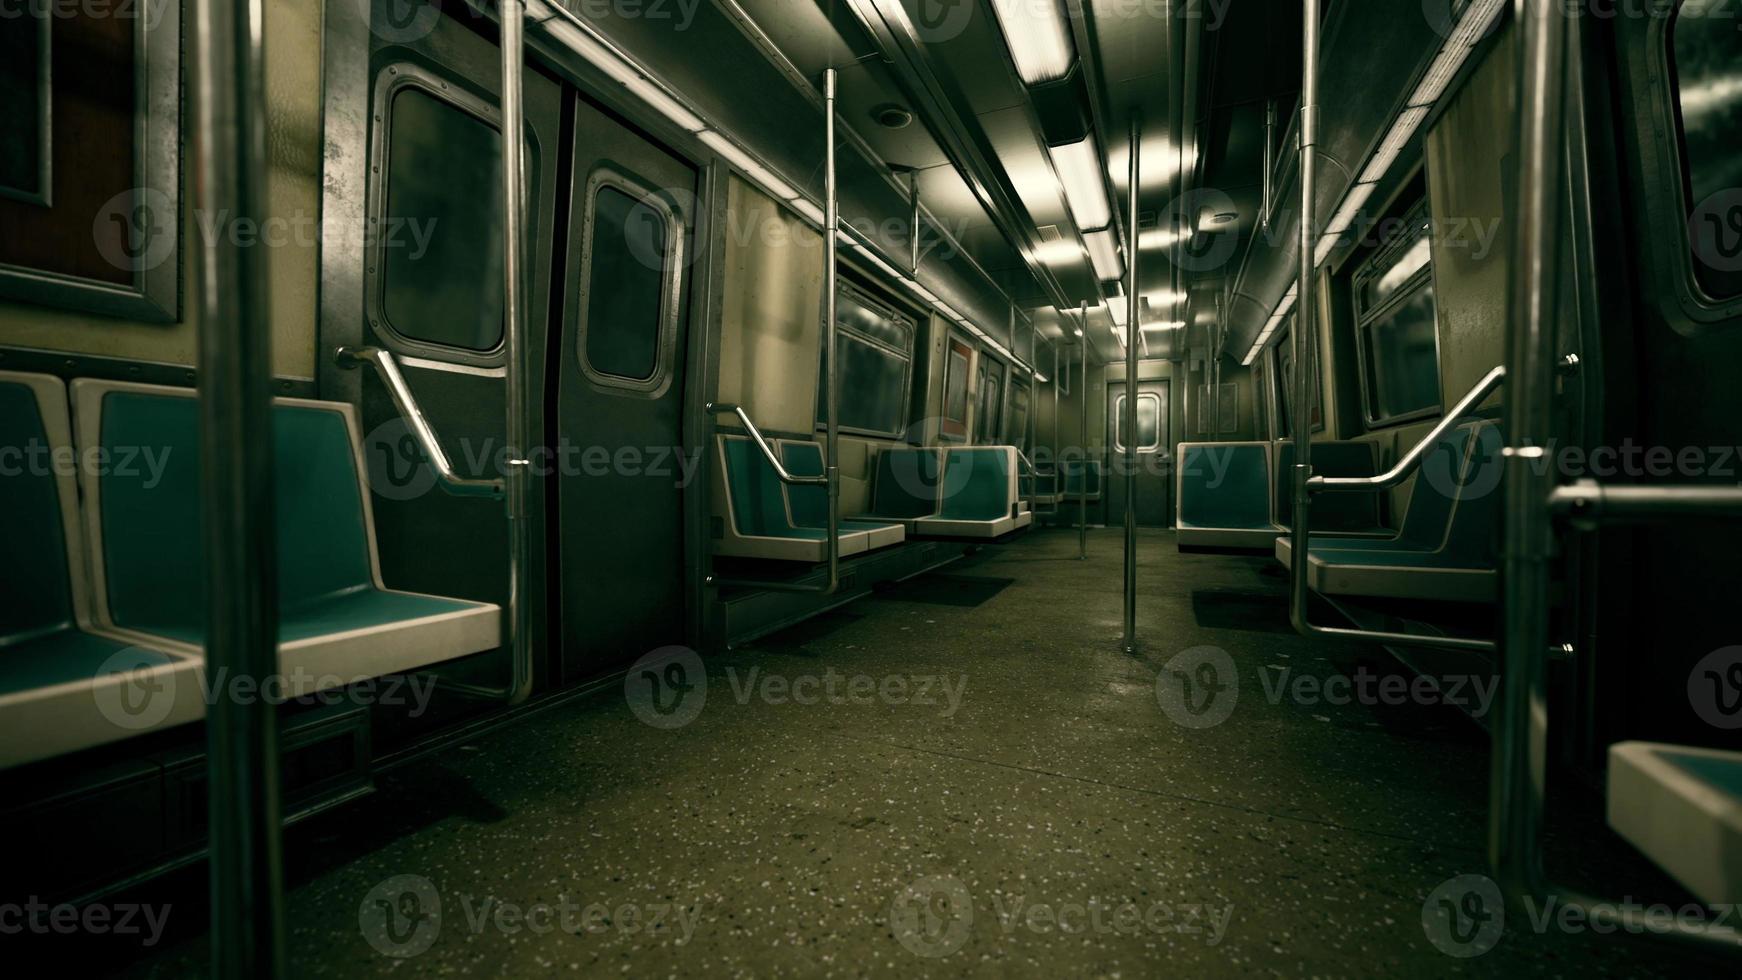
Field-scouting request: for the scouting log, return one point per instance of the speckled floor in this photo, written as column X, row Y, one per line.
column 1004, row 792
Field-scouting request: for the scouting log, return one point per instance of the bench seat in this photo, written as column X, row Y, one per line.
column 757, row 521
column 65, row 684
column 1222, row 497
column 1445, row 549
column 338, row 624
column 1682, row 807
column 978, row 495
column 808, row 507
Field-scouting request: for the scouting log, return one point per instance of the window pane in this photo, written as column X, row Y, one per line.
column 956, row 388
column 444, row 174
column 873, row 386
column 1395, row 272
column 627, row 286
column 1017, row 434
column 1148, row 422
column 1402, row 359
column 1708, row 69
column 991, row 402
column 853, row 313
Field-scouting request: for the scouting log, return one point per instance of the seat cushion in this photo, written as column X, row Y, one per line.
column 904, row 483
column 1225, row 485
column 809, row 506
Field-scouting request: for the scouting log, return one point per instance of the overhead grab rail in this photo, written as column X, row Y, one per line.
column 1549, row 63
column 387, row 369
column 831, row 477
column 1305, row 373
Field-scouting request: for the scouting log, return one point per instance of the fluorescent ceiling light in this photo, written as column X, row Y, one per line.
column 1104, row 253
column 1345, row 216
column 1038, row 37
column 1164, row 327
column 1062, row 251
column 624, row 74
column 925, row 294
column 724, row 146
column 810, row 212
column 1165, row 297
column 1117, row 309
column 1158, row 238
column 1079, row 171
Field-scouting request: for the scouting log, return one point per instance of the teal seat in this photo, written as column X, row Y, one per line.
column 336, row 622
column 1333, row 513
column 56, row 670
column 1081, row 477
column 978, row 495
column 1446, row 547
column 756, row 522
column 904, row 484
column 1222, row 496
column 809, row 506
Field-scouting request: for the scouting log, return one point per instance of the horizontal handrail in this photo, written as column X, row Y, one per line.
column 1412, row 459
column 1588, row 503
column 387, row 367
column 767, row 450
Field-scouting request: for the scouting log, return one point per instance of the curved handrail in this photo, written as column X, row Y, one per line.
column 768, row 452
column 387, row 367
column 1412, row 459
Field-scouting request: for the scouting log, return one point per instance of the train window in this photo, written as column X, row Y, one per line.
column 1148, row 422
column 1707, row 68
column 955, row 420
column 632, row 254
column 875, row 346
column 991, row 399
column 1395, row 327
column 1017, row 434
column 1284, row 354
column 448, row 292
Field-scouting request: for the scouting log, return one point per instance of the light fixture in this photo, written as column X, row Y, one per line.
column 1104, row 253
column 1038, row 38
column 1163, row 327
column 1078, row 166
column 624, row 74
column 723, row 145
column 1158, row 238
column 1164, row 298
column 1059, row 251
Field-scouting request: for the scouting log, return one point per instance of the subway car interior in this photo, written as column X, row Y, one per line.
column 871, row 487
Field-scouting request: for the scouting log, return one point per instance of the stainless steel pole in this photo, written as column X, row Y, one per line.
column 831, row 233
column 522, row 401
column 1083, row 436
column 1133, row 330
column 1518, row 770
column 1305, row 316
column 237, row 447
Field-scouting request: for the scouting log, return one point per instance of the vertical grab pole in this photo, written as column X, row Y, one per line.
column 1305, row 319
column 1083, row 434
column 831, row 229
column 1058, row 472
column 1133, row 330
column 520, row 401
column 1517, row 772
column 236, row 477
